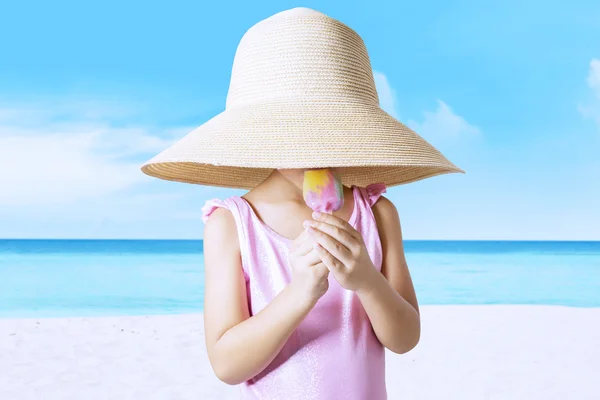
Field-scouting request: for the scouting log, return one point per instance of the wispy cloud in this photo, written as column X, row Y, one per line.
column 64, row 156
column 593, row 78
column 443, row 123
column 592, row 109
column 387, row 95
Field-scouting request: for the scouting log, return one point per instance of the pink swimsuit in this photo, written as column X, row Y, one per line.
column 334, row 353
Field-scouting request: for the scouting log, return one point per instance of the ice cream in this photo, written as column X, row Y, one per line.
column 323, row 190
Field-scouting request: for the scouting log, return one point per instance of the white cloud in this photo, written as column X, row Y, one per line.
column 387, row 95
column 57, row 158
column 443, row 123
column 593, row 79
column 592, row 109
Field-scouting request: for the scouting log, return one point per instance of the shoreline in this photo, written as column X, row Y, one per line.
column 466, row 352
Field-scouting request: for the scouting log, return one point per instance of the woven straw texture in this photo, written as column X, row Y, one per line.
column 301, row 95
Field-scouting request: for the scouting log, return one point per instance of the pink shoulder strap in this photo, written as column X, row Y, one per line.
column 210, row 206
column 374, row 192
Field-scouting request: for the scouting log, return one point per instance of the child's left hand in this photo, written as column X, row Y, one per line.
column 342, row 250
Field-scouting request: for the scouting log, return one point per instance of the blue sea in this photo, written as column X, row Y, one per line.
column 58, row 278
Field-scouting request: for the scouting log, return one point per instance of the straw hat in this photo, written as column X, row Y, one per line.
column 301, row 95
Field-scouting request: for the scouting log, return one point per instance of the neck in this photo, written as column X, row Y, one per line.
column 285, row 184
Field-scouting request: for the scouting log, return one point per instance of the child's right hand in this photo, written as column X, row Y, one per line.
column 309, row 274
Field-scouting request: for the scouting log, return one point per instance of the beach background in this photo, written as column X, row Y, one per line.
column 101, row 267
column 121, row 319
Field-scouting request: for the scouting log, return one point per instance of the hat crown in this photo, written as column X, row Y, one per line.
column 301, row 55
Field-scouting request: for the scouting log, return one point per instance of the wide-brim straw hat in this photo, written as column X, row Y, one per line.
column 301, row 95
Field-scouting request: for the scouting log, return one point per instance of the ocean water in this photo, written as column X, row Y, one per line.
column 56, row 278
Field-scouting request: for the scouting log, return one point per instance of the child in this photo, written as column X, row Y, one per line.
column 300, row 305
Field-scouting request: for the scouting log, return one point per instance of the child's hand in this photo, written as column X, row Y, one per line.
column 309, row 274
column 342, row 250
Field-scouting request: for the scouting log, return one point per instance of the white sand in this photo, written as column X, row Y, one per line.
column 466, row 352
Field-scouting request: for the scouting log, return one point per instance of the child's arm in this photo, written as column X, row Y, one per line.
column 388, row 297
column 390, row 300
column 239, row 347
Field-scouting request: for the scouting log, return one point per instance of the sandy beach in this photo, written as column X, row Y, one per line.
column 466, row 352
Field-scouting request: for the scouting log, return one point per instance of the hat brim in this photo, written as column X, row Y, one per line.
column 240, row 147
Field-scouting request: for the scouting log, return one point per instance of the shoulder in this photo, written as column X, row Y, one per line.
column 388, row 221
column 384, row 209
column 219, row 219
column 220, row 229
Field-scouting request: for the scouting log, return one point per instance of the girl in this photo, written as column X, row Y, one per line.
column 323, row 322
column 301, row 305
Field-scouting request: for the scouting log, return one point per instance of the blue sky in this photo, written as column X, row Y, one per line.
column 509, row 91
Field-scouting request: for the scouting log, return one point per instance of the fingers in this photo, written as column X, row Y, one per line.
column 302, row 237
column 312, row 258
column 334, row 247
column 336, row 232
column 302, row 244
column 321, row 270
column 294, row 244
column 331, row 262
column 334, row 221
